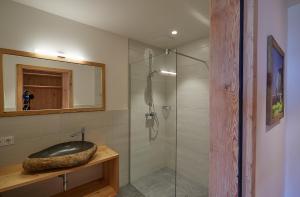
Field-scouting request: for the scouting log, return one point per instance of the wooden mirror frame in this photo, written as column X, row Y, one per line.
column 47, row 111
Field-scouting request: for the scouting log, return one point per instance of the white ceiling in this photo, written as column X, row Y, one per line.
column 293, row 2
column 148, row 21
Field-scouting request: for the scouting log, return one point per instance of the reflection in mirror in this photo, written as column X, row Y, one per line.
column 41, row 84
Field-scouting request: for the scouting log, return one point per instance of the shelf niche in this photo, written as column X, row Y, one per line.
column 51, row 87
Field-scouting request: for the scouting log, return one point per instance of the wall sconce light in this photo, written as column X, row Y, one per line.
column 59, row 54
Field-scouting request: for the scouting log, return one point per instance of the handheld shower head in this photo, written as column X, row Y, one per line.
column 148, row 56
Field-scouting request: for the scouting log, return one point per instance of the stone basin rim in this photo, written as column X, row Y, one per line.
column 38, row 164
column 53, row 150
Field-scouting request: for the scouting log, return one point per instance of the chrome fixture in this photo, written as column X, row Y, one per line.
column 65, row 181
column 82, row 132
column 168, row 51
column 151, row 122
column 166, row 109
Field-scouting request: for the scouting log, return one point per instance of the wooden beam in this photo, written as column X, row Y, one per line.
column 19, row 97
column 249, row 97
column 224, row 97
column 1, row 85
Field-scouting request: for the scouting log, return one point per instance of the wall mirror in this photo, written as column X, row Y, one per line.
column 33, row 84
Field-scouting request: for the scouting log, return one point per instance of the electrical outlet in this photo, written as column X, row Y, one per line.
column 7, row 140
column 10, row 140
column 2, row 141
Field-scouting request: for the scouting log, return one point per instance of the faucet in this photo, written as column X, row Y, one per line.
column 82, row 132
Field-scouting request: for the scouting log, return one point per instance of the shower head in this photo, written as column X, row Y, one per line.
column 167, row 51
column 148, row 56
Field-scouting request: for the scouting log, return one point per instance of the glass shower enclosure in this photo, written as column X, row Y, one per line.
column 168, row 123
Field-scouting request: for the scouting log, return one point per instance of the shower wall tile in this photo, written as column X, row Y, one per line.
column 120, row 143
column 192, row 114
column 33, row 133
column 137, row 50
column 171, row 124
column 146, row 157
column 198, row 49
column 38, row 125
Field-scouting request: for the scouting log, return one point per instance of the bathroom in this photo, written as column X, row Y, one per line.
column 179, row 97
column 136, row 98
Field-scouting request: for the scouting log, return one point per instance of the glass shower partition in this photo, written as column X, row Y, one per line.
column 192, row 126
column 169, row 134
column 153, row 124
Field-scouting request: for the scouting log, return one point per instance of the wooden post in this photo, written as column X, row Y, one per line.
column 1, row 85
column 19, row 97
column 249, row 101
column 224, row 97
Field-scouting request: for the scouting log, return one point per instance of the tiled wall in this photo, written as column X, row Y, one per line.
column 193, row 113
column 33, row 133
column 146, row 156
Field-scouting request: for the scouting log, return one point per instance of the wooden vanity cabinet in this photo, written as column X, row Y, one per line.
column 12, row 177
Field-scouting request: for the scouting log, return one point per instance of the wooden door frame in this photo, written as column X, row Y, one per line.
column 249, row 96
column 232, row 77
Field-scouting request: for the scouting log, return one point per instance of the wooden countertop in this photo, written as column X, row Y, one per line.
column 14, row 176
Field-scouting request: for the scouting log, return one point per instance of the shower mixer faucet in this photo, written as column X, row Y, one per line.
column 151, row 114
column 150, row 118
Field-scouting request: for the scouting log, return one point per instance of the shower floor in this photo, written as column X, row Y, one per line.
column 161, row 184
column 129, row 191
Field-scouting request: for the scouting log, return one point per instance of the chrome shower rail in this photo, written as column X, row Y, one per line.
column 184, row 55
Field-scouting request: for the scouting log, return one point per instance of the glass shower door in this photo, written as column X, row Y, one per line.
column 153, row 124
column 192, row 126
column 169, row 134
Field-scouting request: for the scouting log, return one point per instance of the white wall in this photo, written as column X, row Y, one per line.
column 272, row 20
column 27, row 29
column 292, row 177
column 24, row 28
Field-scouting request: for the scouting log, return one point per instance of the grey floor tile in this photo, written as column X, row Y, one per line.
column 129, row 191
column 162, row 184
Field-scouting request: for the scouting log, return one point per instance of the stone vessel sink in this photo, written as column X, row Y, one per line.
column 64, row 155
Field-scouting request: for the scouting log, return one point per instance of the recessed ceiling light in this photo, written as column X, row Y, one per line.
column 174, row 32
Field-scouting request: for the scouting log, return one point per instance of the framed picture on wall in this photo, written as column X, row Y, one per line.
column 275, row 82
